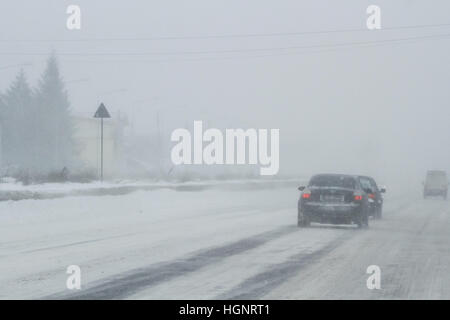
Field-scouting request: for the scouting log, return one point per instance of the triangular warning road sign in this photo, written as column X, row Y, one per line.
column 102, row 112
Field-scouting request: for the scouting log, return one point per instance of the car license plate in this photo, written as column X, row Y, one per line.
column 332, row 198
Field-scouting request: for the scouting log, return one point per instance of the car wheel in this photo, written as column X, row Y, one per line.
column 379, row 213
column 363, row 220
column 303, row 221
column 360, row 221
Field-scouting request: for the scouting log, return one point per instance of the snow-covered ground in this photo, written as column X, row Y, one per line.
column 111, row 234
column 13, row 190
column 218, row 243
column 9, row 184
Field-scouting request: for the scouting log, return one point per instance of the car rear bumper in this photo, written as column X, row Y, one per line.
column 320, row 212
column 435, row 192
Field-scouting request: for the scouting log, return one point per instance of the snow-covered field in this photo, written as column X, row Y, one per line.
column 218, row 243
column 13, row 190
column 111, row 234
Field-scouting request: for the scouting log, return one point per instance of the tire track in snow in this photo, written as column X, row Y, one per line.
column 123, row 285
column 262, row 283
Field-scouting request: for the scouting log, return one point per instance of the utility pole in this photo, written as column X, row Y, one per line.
column 101, row 113
column 101, row 150
column 1, row 150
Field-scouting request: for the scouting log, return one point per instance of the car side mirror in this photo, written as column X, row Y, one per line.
column 301, row 188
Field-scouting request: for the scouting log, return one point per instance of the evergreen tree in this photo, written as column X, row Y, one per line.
column 2, row 123
column 53, row 112
column 36, row 130
column 16, row 119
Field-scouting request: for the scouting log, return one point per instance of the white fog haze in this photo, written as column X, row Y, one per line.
column 345, row 99
column 384, row 104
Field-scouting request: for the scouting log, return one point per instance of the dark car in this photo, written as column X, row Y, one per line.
column 375, row 198
column 333, row 198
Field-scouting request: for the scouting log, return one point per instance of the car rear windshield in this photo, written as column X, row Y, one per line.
column 366, row 184
column 332, row 181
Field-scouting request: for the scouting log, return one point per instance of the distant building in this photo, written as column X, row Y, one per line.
column 87, row 139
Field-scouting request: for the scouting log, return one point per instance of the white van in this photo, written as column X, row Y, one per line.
column 436, row 184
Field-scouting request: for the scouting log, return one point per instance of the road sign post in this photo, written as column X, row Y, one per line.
column 101, row 114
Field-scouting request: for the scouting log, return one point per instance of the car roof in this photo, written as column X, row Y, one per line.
column 335, row 174
column 367, row 177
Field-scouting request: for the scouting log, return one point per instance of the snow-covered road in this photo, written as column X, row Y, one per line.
column 218, row 244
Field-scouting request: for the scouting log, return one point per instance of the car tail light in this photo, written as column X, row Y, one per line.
column 306, row 195
column 358, row 197
column 371, row 196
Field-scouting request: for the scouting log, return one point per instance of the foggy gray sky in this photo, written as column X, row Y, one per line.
column 372, row 109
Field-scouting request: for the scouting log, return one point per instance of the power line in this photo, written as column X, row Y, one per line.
column 16, row 65
column 225, row 36
column 319, row 46
column 223, row 58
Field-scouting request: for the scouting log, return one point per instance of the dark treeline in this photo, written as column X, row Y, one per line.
column 36, row 131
